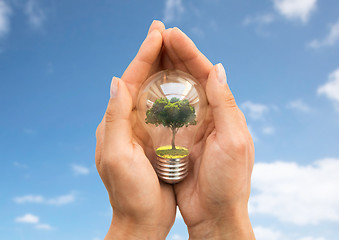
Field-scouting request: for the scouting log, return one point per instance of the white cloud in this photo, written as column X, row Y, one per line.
column 311, row 238
column 177, row 237
column 79, row 169
column 260, row 19
column 36, row 15
column 60, row 200
column 29, row 198
column 32, row 219
column 178, row 215
column 255, row 110
column 295, row 9
column 264, row 233
column 198, row 31
column 29, row 131
column 295, row 193
column 5, row 12
column 299, row 105
column 329, row 40
column 331, row 88
column 19, row 165
column 173, row 10
column 253, row 134
column 28, row 218
column 268, row 130
column 43, row 226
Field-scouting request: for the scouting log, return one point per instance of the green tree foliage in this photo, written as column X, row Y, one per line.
column 174, row 114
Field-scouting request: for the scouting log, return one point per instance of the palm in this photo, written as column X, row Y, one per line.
column 205, row 185
column 193, row 193
column 200, row 189
column 156, row 194
column 151, row 196
column 144, row 196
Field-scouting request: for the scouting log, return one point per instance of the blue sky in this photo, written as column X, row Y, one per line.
column 57, row 59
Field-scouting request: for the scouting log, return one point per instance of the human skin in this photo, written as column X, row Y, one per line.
column 213, row 198
column 143, row 206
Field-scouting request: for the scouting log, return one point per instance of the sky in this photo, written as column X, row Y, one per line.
column 57, row 59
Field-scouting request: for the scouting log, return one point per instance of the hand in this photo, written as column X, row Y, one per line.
column 143, row 207
column 213, row 198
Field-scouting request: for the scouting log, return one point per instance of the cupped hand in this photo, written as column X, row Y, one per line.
column 213, row 198
column 143, row 207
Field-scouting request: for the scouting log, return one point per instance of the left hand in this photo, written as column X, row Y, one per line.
column 143, row 207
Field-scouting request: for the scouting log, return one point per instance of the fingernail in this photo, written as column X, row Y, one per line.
column 114, row 87
column 221, row 74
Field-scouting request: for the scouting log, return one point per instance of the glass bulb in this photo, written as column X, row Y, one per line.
column 171, row 106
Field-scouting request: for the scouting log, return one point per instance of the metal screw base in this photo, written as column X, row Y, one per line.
column 172, row 170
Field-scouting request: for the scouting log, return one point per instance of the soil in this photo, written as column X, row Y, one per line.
column 168, row 152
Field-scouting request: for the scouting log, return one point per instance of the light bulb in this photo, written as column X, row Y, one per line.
column 171, row 106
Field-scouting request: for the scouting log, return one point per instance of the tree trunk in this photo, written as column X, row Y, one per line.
column 173, row 138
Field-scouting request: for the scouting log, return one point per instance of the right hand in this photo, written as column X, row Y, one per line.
column 213, row 197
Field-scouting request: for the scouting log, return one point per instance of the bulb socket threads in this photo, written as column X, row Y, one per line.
column 172, row 170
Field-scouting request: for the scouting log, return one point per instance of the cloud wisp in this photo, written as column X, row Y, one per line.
column 260, row 19
column 5, row 12
column 295, row 10
column 35, row 14
column 57, row 201
column 268, row 130
column 312, row 238
column 178, row 215
column 255, row 111
column 29, row 218
column 297, row 194
column 173, row 10
column 43, row 226
column 331, row 88
column 177, row 237
column 266, row 233
column 19, row 165
column 79, row 169
column 299, row 105
column 329, row 40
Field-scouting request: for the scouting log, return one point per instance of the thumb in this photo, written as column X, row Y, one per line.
column 224, row 108
column 118, row 131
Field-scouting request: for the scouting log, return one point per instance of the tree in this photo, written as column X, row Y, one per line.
column 174, row 114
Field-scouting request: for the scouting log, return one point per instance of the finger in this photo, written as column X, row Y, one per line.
column 184, row 48
column 100, row 138
column 156, row 25
column 141, row 66
column 159, row 26
column 117, row 127
column 169, row 55
column 224, row 108
column 166, row 62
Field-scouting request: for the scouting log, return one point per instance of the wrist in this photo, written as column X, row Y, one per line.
column 234, row 224
column 129, row 230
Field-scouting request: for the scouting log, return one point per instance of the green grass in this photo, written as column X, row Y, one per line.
column 168, row 152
